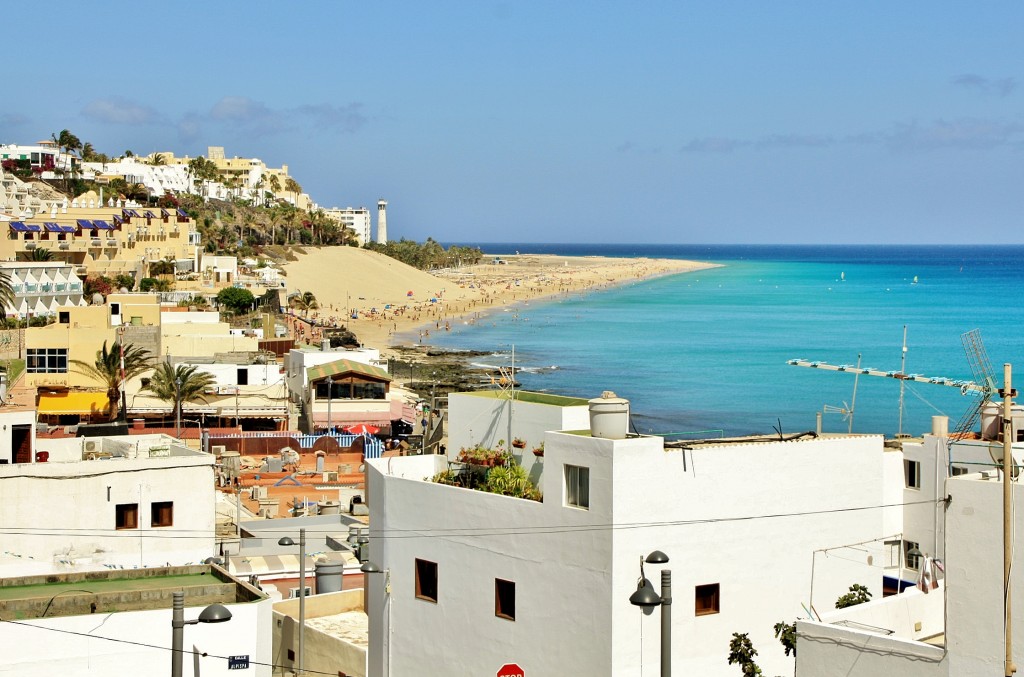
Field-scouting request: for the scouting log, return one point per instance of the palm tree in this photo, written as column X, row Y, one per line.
column 293, row 187
column 177, row 384
column 305, row 302
column 41, row 255
column 107, row 370
column 6, row 292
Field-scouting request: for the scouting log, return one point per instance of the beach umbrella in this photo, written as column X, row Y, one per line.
column 362, row 429
column 408, row 293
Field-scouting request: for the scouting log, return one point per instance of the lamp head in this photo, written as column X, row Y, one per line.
column 645, row 595
column 369, row 568
column 286, row 540
column 215, row 613
column 657, row 557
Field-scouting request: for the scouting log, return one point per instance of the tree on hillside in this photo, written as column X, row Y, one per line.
column 179, row 384
column 304, row 302
column 107, row 370
column 293, row 187
column 238, row 300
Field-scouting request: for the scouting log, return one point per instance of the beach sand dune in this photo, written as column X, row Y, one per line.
column 348, row 281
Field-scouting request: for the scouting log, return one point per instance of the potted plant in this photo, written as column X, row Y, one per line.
column 538, row 451
column 519, row 443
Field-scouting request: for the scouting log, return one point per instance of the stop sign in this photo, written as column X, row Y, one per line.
column 511, row 670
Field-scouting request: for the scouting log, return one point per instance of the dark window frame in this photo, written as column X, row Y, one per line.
column 426, row 580
column 126, row 516
column 505, row 599
column 161, row 514
column 707, row 599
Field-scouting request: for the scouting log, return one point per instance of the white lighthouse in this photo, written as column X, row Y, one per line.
column 382, row 221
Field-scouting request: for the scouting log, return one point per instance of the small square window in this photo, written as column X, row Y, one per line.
column 706, row 600
column 162, row 514
column 959, row 470
column 126, row 516
column 912, row 561
column 577, row 486
column 505, row 599
column 426, row 580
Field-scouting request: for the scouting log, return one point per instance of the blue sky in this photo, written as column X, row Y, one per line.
column 676, row 122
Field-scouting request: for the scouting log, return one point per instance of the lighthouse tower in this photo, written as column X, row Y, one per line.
column 382, row 221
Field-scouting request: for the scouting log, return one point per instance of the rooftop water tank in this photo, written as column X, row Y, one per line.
column 609, row 416
column 328, row 575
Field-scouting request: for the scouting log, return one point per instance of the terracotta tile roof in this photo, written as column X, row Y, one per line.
column 339, row 367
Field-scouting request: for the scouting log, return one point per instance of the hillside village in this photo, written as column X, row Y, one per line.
column 184, row 431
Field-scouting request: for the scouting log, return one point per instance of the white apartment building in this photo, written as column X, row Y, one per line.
column 94, row 503
column 357, row 220
column 41, row 288
column 546, row 584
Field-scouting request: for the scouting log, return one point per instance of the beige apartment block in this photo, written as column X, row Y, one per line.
column 104, row 239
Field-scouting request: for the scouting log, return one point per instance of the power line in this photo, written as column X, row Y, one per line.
column 396, row 534
column 147, row 646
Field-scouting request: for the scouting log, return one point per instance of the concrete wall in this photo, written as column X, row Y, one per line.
column 325, row 652
column 8, row 419
column 482, row 419
column 100, row 646
column 575, row 568
column 66, row 512
column 825, row 650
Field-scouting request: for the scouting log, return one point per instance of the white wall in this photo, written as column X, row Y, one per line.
column 65, row 512
column 480, row 418
column 12, row 418
column 35, row 647
column 575, row 569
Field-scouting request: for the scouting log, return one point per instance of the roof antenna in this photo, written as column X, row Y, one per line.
column 778, row 428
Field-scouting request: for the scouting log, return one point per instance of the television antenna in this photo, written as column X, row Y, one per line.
column 847, row 409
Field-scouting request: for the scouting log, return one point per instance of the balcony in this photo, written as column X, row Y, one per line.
column 96, row 242
column 112, row 243
column 31, row 245
column 64, row 245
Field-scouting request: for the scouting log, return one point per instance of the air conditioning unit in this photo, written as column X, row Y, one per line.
column 294, row 592
column 91, row 445
column 330, row 477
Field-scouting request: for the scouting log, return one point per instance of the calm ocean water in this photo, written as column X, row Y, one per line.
column 707, row 350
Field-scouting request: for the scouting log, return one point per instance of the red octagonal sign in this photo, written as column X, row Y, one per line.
column 511, row 670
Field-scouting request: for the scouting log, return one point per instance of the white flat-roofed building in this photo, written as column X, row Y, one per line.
column 547, row 584
column 119, row 623
column 357, row 220
column 94, row 503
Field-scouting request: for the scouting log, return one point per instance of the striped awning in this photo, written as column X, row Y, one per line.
column 73, row 403
column 340, row 367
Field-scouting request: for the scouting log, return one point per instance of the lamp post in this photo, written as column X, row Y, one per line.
column 369, row 568
column 215, row 613
column 330, row 383
column 287, row 540
column 647, row 598
column 177, row 408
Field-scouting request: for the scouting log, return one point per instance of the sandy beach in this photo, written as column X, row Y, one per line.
column 397, row 304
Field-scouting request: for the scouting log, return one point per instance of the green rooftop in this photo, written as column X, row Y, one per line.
column 532, row 398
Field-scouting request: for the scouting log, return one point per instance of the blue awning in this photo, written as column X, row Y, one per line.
column 148, row 214
column 164, row 212
column 118, row 220
column 103, row 225
column 182, row 212
column 32, row 228
column 53, row 227
column 19, row 226
column 85, row 224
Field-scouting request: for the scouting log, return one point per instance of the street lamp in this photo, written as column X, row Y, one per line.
column 215, row 613
column 646, row 598
column 177, row 408
column 369, row 568
column 330, row 382
column 287, row 540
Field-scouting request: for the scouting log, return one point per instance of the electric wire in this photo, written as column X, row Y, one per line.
column 399, row 534
column 149, row 646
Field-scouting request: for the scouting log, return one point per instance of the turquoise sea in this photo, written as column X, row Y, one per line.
column 707, row 351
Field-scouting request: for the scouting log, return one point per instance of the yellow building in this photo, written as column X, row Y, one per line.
column 104, row 239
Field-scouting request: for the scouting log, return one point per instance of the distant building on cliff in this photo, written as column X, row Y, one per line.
column 356, row 220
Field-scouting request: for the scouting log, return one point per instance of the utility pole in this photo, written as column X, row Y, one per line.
column 1008, row 393
column 903, row 370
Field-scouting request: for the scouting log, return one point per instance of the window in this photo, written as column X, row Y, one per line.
column 912, row 561
column 959, row 470
column 706, row 599
column 577, row 486
column 126, row 516
column 893, row 547
column 243, row 376
column 63, row 317
column 912, row 470
column 505, row 599
column 46, row 360
column 162, row 514
column 426, row 580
